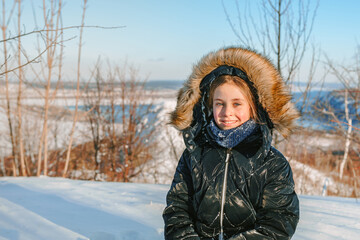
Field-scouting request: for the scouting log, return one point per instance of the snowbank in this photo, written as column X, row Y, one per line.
column 57, row 208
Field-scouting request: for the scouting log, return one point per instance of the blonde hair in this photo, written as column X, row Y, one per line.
column 244, row 88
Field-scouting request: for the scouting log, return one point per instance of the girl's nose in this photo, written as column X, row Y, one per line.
column 227, row 111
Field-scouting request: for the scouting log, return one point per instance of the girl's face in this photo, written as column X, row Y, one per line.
column 230, row 107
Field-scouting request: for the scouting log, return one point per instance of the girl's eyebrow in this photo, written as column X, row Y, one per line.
column 238, row 99
column 234, row 99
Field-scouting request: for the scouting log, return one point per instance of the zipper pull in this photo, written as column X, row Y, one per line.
column 228, row 153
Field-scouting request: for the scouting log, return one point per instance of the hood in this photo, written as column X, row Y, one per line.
column 271, row 93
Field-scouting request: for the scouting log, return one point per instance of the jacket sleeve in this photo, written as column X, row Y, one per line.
column 179, row 223
column 278, row 214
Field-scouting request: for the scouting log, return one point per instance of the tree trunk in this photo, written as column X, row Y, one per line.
column 348, row 137
column 21, row 145
column 8, row 106
column 77, row 94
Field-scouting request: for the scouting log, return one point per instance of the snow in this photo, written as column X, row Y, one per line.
column 58, row 208
column 314, row 182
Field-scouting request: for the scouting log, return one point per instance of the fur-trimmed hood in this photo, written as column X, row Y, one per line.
column 272, row 94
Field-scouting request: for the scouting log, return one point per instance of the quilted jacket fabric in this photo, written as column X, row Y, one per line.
column 251, row 196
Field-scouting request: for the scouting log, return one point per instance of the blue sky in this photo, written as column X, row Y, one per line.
column 164, row 38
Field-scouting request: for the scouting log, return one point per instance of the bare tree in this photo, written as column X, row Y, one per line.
column 48, row 70
column 282, row 30
column 340, row 111
column 348, row 136
column 110, row 127
column 137, row 116
column 77, row 92
column 15, row 114
column 19, row 104
column 94, row 97
column 122, row 122
column 4, row 27
column 52, row 16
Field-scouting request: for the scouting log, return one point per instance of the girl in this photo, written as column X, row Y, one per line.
column 230, row 182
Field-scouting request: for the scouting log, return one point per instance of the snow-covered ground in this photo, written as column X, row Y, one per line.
column 57, row 208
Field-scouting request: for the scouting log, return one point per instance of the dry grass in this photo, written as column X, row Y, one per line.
column 315, row 157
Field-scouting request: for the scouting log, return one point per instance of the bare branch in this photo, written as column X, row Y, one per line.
column 27, row 63
column 62, row 29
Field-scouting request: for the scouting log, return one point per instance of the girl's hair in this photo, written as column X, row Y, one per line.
column 244, row 88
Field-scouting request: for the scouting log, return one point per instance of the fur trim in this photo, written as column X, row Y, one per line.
column 272, row 92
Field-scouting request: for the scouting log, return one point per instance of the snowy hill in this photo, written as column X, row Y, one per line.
column 57, row 208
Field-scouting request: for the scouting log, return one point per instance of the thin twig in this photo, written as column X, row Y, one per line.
column 61, row 29
column 27, row 63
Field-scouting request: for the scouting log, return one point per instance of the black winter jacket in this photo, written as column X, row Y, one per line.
column 260, row 202
column 246, row 192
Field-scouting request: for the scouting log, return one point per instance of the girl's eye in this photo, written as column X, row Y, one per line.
column 218, row 104
column 237, row 104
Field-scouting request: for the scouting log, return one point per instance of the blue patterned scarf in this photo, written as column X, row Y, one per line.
column 232, row 137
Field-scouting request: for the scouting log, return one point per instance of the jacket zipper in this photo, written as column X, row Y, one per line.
column 223, row 195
